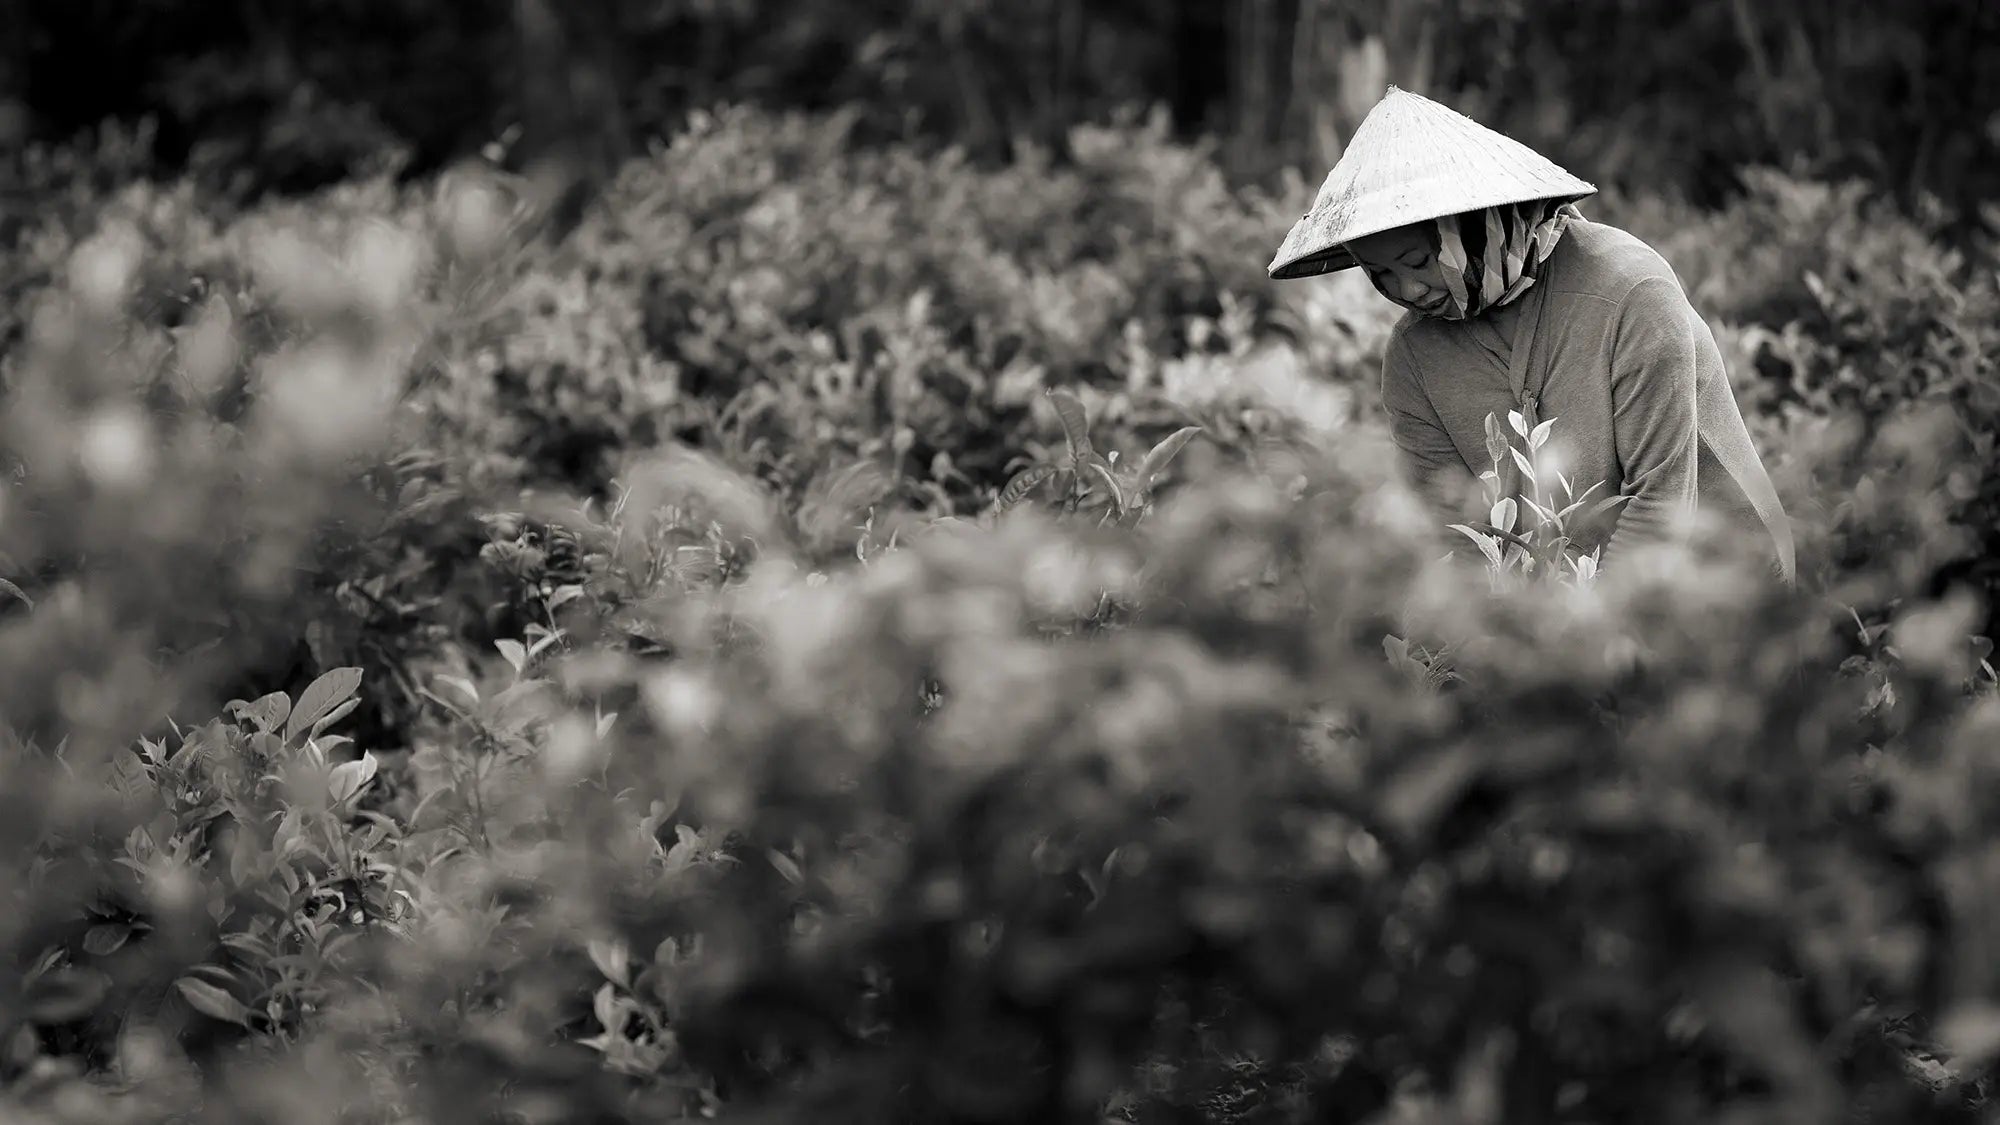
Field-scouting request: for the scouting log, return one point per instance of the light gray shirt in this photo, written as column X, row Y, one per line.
column 1627, row 370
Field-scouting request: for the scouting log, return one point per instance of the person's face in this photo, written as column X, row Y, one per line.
column 1402, row 264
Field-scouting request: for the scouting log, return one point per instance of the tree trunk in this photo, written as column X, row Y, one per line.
column 1251, row 83
column 1200, row 79
column 572, row 126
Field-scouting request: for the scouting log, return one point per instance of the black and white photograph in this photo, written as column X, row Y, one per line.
column 999, row 562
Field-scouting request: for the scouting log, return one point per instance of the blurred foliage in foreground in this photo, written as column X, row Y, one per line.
column 461, row 676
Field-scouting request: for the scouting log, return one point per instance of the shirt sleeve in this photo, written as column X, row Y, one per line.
column 1653, row 415
column 1429, row 459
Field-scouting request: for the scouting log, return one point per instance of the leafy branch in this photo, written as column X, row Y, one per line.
column 1085, row 475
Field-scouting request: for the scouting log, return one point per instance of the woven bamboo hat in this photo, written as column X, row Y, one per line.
column 1413, row 160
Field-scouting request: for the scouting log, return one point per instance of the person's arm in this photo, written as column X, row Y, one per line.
column 1653, row 382
column 1429, row 459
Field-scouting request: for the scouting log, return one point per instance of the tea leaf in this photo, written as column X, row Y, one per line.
column 1075, row 423
column 787, row 866
column 1496, row 441
column 334, row 716
column 15, row 592
column 106, row 939
column 1163, row 453
column 348, row 778
column 1540, row 436
column 1605, row 505
column 1103, row 470
column 1065, row 483
column 464, row 686
column 321, row 697
column 1487, row 545
column 212, row 1001
column 1022, row 484
column 612, row 958
column 266, row 713
column 515, row 653
column 609, row 1009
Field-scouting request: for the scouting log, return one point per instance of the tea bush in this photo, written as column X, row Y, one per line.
column 760, row 285
column 463, row 676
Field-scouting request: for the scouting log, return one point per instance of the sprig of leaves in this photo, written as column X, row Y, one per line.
column 1531, row 519
column 1085, row 474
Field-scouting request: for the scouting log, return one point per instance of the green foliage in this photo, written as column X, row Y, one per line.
column 462, row 676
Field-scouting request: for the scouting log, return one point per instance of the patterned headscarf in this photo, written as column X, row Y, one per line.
column 1491, row 257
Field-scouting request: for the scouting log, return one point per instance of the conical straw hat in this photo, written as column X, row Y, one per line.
column 1413, row 160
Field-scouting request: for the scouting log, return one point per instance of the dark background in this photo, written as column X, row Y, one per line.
column 1658, row 96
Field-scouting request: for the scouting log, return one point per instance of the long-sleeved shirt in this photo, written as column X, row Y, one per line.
column 1628, row 372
